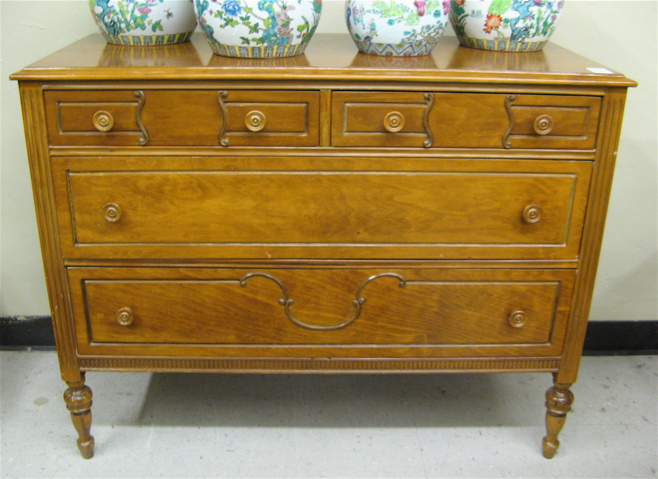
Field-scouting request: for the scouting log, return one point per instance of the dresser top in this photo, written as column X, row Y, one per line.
column 328, row 56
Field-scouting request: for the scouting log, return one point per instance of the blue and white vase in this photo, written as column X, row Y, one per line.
column 258, row 28
column 505, row 25
column 144, row 22
column 397, row 27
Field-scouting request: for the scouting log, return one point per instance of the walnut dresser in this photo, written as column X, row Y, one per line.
column 332, row 212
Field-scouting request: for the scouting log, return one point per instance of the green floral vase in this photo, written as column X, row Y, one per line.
column 144, row 22
column 505, row 25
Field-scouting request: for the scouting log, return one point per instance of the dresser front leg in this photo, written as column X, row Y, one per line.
column 558, row 403
column 78, row 402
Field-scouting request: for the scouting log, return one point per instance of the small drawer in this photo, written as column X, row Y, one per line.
column 285, row 208
column 464, row 120
column 537, row 121
column 386, row 119
column 183, row 118
column 270, row 118
column 99, row 118
column 320, row 307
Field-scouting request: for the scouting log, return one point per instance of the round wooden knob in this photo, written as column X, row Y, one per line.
column 394, row 121
column 518, row 318
column 543, row 125
column 112, row 212
column 532, row 214
column 125, row 316
column 103, row 120
column 255, row 120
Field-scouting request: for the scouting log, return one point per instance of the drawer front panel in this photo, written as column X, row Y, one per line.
column 414, row 307
column 183, row 118
column 463, row 120
column 271, row 118
column 105, row 118
column 380, row 119
column 443, row 213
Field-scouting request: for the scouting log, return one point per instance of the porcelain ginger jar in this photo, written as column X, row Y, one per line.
column 144, row 22
column 505, row 25
column 397, row 27
column 258, row 28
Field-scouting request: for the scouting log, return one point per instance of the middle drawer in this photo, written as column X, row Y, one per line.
column 321, row 208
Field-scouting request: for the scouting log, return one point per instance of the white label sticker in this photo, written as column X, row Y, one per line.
column 602, row 71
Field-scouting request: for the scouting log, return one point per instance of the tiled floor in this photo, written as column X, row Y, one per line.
column 344, row 426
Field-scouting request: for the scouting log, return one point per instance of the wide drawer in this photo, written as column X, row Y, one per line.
column 302, row 208
column 396, row 308
column 464, row 120
column 182, row 118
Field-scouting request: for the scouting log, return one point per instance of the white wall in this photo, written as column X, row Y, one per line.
column 620, row 34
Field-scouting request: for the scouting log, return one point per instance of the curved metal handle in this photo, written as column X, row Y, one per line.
column 112, row 212
column 287, row 302
column 543, row 125
column 124, row 316
column 103, row 120
column 255, row 120
column 394, row 121
column 509, row 99
column 532, row 214
column 518, row 318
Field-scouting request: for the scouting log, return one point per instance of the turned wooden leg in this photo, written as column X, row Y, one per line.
column 558, row 403
column 78, row 402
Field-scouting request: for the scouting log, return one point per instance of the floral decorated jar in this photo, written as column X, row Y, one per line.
column 397, row 27
column 144, row 22
column 258, row 28
column 505, row 25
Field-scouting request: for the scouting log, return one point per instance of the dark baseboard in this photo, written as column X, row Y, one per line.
column 604, row 338
column 611, row 338
column 22, row 332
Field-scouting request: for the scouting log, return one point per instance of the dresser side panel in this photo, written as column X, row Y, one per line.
column 602, row 175
column 34, row 117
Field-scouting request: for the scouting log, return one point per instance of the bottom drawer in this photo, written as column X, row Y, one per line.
column 409, row 312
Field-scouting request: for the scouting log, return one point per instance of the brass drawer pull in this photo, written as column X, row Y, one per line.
column 255, row 120
column 518, row 318
column 543, row 125
column 125, row 316
column 112, row 212
column 394, row 121
column 532, row 214
column 103, row 120
column 357, row 303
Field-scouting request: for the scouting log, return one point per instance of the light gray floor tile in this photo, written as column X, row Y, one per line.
column 342, row 426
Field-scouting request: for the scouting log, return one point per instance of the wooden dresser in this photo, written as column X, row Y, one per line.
column 333, row 212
